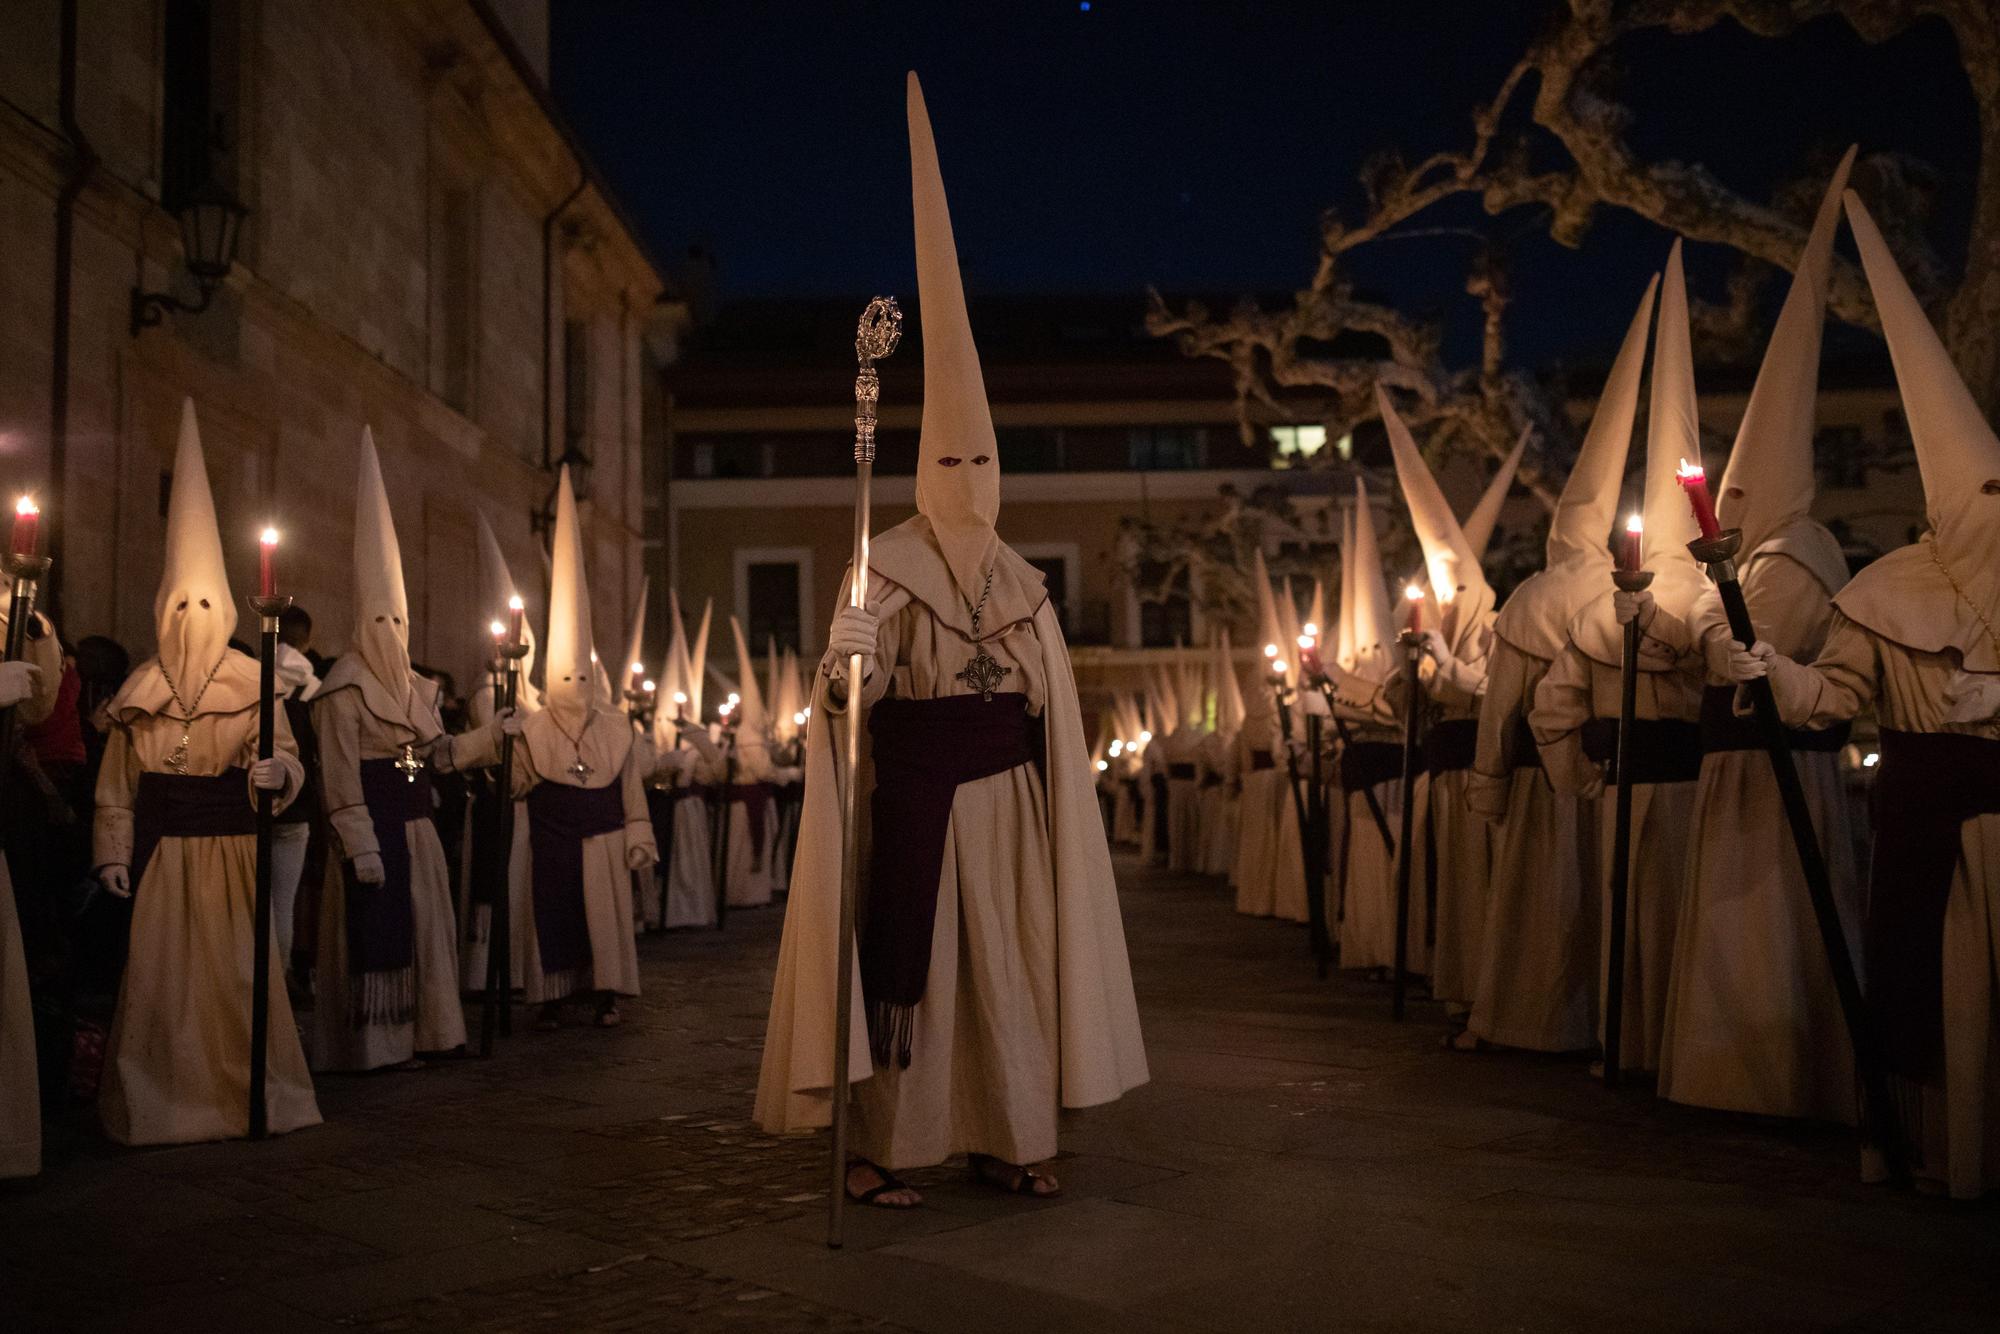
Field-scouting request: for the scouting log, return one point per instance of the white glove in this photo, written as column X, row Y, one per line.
column 268, row 775
column 1593, row 788
column 510, row 721
column 368, row 868
column 17, row 681
column 1435, row 646
column 1312, row 704
column 854, row 630
column 1633, row 606
column 638, row 856
column 116, row 880
column 1748, row 664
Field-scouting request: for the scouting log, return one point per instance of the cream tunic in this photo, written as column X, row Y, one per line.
column 177, row 1064
column 544, row 756
column 1576, row 689
column 359, row 723
column 1180, row 751
column 1364, row 903
column 983, row 1073
column 20, row 1099
column 690, row 874
column 1538, row 973
column 1954, row 1123
column 1270, row 873
column 1753, row 1023
column 1445, row 825
column 1216, row 768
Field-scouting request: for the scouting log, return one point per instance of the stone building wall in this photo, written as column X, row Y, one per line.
column 399, row 163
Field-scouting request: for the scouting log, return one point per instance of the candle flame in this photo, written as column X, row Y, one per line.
column 499, row 630
column 1413, row 592
column 269, row 537
column 1102, row 766
column 735, row 698
column 798, row 720
column 1270, row 650
column 1145, row 738
column 26, row 506
column 1689, row 472
column 1305, row 641
column 1311, row 630
column 648, row 687
column 515, row 604
column 1635, row 523
column 1277, row 666
column 638, row 669
column 680, row 697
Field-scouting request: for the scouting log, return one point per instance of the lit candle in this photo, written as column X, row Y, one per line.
column 1631, row 553
column 267, row 563
column 1311, row 630
column 1414, row 595
column 648, row 687
column 1695, row 482
column 1270, row 650
column 27, row 524
column 1277, row 670
column 499, row 633
column 515, row 611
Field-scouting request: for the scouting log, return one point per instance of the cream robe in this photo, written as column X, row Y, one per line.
column 1216, row 765
column 177, row 1065
column 1463, row 843
column 1753, row 1023
column 544, row 755
column 20, row 1097
column 474, row 919
column 1125, row 817
column 357, row 719
column 1577, row 688
column 1954, row 1123
column 1270, row 873
column 1028, row 1003
column 690, row 873
column 1539, row 968
column 1182, row 748
column 1367, row 912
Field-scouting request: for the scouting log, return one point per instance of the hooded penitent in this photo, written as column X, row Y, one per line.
column 635, row 648
column 1374, row 623
column 1271, row 630
column 193, row 610
column 752, row 723
column 496, row 588
column 1343, row 638
column 1537, row 614
column 958, row 458
column 1673, row 435
column 381, row 606
column 1768, row 487
column 1485, row 515
column 1457, row 583
column 570, row 687
column 1228, row 689
column 1942, row 592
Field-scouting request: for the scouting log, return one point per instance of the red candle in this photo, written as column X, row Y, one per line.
column 1695, row 482
column 27, row 524
column 1631, row 553
column 515, row 611
column 1415, row 596
column 267, row 563
column 499, row 633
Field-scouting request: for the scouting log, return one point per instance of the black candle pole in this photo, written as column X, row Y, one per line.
column 1878, row 1114
column 1628, row 581
column 28, row 572
column 1413, row 698
column 724, row 820
column 268, row 607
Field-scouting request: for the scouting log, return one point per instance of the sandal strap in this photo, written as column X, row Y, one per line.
column 888, row 1181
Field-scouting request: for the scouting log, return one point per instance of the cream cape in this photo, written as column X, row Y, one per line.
column 1102, row 1054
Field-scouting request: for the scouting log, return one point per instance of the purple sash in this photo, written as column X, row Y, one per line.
column 1930, row 784
column 756, row 800
column 381, row 923
column 187, row 806
column 923, row 750
column 560, row 818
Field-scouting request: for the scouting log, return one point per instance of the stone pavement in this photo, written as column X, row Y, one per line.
column 1298, row 1163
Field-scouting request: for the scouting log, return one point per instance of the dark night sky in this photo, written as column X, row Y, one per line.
column 1189, row 146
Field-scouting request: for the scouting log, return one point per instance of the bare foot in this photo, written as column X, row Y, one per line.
column 1013, row 1178
column 869, row 1184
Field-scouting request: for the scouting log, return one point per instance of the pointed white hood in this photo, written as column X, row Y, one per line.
column 381, row 606
column 635, row 645
column 1944, row 590
column 193, row 611
column 753, row 723
column 570, row 688
column 1768, row 485
column 1458, row 586
column 1271, row 630
column 1673, row 434
column 1374, row 624
column 695, row 670
column 1537, row 615
column 958, row 457
column 1343, row 637
column 1485, row 515
column 1229, row 712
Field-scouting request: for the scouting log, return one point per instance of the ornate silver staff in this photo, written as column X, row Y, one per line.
column 880, row 329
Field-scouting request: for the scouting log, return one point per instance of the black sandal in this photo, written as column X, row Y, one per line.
column 887, row 1182
column 1022, row 1182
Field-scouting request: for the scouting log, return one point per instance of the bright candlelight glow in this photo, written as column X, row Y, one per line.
column 1305, row 641
column 1117, row 749
column 647, row 686
column 515, row 604
column 496, row 629
column 680, row 697
column 269, row 537
column 267, row 565
column 1635, row 523
column 27, row 522
column 1413, row 592
column 1270, row 650
column 799, row 719
column 734, row 699
column 1689, row 472
column 1277, row 666
column 1311, row 630
column 26, row 505
column 1145, row 738
column 807, row 711
column 638, row 669
column 1102, row 765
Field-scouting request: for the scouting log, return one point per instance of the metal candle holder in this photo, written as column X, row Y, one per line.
column 267, row 608
column 1627, row 581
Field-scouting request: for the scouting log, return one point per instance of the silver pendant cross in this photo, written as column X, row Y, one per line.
column 409, row 764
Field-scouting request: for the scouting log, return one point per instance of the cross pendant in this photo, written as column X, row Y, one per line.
column 580, row 770
column 409, row 764
column 984, row 674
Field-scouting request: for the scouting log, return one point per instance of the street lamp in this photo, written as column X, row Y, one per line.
column 211, row 221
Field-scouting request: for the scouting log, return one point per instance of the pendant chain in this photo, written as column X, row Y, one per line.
column 984, row 593
column 1945, row 570
column 579, row 770
column 177, row 758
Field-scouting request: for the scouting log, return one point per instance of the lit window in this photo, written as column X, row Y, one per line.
column 1297, row 444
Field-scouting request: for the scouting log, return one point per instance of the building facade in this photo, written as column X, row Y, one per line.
column 423, row 249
